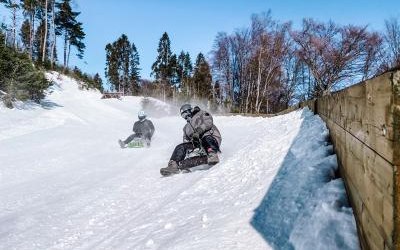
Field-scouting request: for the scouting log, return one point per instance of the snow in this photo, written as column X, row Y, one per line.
column 66, row 184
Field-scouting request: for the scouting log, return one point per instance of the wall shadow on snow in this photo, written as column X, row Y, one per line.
column 284, row 201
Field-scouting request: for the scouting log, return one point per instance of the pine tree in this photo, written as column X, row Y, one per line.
column 162, row 68
column 29, row 9
column 67, row 26
column 202, row 79
column 122, row 65
column 184, row 71
column 111, row 70
column 75, row 39
column 25, row 34
column 123, row 48
column 188, row 67
column 13, row 5
column 38, row 43
column 19, row 78
column 45, row 13
column 134, row 70
column 174, row 71
column 98, row 82
column 180, row 68
column 2, row 36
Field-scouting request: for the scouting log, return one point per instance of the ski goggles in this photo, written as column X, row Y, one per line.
column 185, row 114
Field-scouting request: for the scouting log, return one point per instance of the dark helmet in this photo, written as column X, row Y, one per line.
column 186, row 110
column 141, row 115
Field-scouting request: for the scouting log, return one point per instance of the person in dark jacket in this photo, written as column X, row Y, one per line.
column 199, row 131
column 143, row 128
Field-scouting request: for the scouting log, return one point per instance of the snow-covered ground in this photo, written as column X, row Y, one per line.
column 66, row 184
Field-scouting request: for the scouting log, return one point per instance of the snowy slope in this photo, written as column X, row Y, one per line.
column 66, row 184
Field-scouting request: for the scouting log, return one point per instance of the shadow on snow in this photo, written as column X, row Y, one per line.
column 305, row 168
column 46, row 104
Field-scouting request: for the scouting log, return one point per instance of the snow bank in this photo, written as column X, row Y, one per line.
column 305, row 206
column 327, row 221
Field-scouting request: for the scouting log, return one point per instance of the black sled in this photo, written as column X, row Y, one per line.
column 196, row 160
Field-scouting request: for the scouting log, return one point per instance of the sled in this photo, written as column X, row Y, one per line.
column 138, row 143
column 189, row 164
column 194, row 161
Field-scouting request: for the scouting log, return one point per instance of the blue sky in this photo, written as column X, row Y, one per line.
column 193, row 25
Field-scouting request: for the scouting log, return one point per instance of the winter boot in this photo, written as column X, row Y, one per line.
column 121, row 144
column 212, row 158
column 171, row 169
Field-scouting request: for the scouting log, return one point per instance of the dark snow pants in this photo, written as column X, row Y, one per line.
column 208, row 142
column 146, row 136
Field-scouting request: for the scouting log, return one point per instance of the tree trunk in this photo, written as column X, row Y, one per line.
column 69, row 51
column 65, row 50
column 15, row 25
column 268, row 80
column 249, row 88
column 163, row 91
column 189, row 90
column 45, row 32
column 53, row 31
column 258, row 84
column 31, row 30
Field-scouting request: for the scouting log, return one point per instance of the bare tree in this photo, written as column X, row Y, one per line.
column 333, row 53
column 291, row 75
column 249, row 64
column 266, row 67
column 221, row 63
column 240, row 52
column 270, row 45
column 392, row 39
column 373, row 56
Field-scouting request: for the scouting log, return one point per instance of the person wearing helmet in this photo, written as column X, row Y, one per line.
column 199, row 131
column 143, row 128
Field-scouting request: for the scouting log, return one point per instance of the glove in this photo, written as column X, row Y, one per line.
column 199, row 130
column 196, row 140
column 197, row 133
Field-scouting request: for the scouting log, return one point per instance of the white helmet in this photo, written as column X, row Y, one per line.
column 141, row 115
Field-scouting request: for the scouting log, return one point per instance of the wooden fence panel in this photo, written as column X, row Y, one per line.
column 364, row 124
